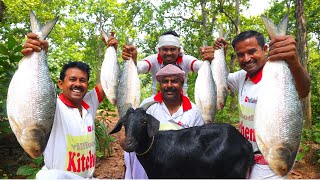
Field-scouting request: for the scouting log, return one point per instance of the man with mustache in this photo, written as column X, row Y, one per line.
column 171, row 107
column 252, row 53
column 169, row 51
column 71, row 149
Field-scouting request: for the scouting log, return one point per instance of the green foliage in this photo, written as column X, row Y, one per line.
column 9, row 57
column 31, row 169
column 103, row 140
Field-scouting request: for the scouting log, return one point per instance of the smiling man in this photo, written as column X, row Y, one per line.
column 169, row 51
column 71, row 149
column 252, row 53
column 173, row 109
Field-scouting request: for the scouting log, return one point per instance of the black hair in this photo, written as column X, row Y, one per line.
column 248, row 34
column 172, row 32
column 75, row 64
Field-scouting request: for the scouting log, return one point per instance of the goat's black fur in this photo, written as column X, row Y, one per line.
column 215, row 150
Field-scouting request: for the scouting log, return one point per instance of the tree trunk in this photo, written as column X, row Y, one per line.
column 234, row 57
column 2, row 8
column 302, row 47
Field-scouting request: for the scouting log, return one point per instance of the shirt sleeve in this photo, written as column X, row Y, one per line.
column 92, row 99
column 196, row 65
column 143, row 66
column 234, row 80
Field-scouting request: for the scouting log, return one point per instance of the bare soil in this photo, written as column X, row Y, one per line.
column 113, row 167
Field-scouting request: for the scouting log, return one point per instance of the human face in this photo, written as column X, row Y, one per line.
column 75, row 85
column 251, row 56
column 171, row 87
column 169, row 54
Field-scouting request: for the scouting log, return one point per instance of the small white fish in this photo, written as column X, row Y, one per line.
column 31, row 101
column 278, row 114
column 110, row 71
column 220, row 74
column 205, row 93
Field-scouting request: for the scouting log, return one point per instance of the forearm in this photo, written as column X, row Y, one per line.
column 301, row 78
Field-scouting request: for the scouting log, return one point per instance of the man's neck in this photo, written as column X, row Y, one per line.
column 173, row 106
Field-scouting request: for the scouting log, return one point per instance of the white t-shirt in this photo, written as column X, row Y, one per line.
column 71, row 147
column 187, row 116
column 154, row 63
column 247, row 96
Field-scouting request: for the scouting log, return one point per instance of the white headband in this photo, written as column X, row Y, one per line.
column 168, row 40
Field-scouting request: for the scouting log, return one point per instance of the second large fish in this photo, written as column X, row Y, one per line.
column 129, row 88
column 32, row 97
column 220, row 74
column 278, row 114
column 110, row 71
column 205, row 93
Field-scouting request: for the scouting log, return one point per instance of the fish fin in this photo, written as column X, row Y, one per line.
column 36, row 26
column 104, row 34
column 15, row 125
column 274, row 30
column 35, row 23
column 223, row 34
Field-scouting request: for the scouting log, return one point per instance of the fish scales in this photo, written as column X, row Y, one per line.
column 278, row 114
column 220, row 74
column 110, row 71
column 129, row 88
column 31, row 98
column 205, row 93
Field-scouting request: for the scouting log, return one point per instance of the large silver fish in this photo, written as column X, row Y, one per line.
column 129, row 88
column 205, row 93
column 220, row 73
column 32, row 97
column 278, row 114
column 110, row 71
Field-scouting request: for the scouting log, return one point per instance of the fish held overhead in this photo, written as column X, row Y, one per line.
column 278, row 114
column 31, row 99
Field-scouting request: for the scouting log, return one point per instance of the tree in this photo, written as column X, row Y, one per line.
column 302, row 47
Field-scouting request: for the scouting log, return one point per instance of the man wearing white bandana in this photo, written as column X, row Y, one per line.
column 169, row 51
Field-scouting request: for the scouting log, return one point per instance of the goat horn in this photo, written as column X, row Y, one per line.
column 147, row 105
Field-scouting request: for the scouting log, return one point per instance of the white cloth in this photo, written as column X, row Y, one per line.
column 167, row 40
column 247, row 97
column 178, row 120
column 71, row 148
column 153, row 64
column 263, row 172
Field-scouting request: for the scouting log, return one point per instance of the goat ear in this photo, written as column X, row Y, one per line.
column 117, row 127
column 152, row 125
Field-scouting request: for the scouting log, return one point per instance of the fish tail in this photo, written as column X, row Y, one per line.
column 274, row 30
column 104, row 34
column 45, row 29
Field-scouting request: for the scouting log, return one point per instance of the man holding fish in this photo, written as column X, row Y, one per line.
column 70, row 151
column 169, row 51
column 273, row 159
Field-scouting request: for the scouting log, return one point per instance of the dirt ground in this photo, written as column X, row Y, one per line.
column 113, row 167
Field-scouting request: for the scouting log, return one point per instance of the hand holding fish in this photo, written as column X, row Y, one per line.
column 33, row 43
column 207, row 53
column 219, row 43
column 284, row 48
column 112, row 41
column 129, row 52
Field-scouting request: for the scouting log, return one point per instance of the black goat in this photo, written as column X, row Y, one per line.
column 213, row 150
